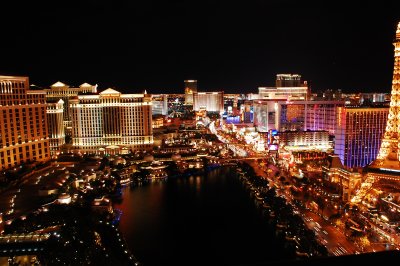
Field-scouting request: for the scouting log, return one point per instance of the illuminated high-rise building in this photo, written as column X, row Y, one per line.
column 190, row 88
column 288, row 87
column 23, row 131
column 55, row 118
column 322, row 115
column 209, row 101
column 359, row 134
column 62, row 91
column 286, row 115
column 266, row 115
column 111, row 122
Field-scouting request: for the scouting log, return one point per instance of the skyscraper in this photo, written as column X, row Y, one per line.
column 190, row 88
column 24, row 130
column 359, row 134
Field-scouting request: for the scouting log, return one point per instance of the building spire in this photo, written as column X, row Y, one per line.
column 398, row 32
column 389, row 153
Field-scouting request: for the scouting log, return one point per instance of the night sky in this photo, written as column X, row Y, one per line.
column 234, row 46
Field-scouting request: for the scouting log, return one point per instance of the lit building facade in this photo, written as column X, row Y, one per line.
column 288, row 80
column 55, row 118
column 246, row 110
column 112, row 121
column 305, row 140
column 334, row 172
column 231, row 103
column 292, row 116
column 175, row 99
column 322, row 115
column 209, row 101
column 190, row 88
column 157, row 121
column 286, row 115
column 160, row 104
column 359, row 134
column 288, row 87
column 265, row 116
column 24, row 130
column 64, row 92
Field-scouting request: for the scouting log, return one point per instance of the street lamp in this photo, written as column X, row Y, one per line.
column 324, row 206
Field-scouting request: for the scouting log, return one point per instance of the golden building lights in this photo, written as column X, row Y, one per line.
column 111, row 121
column 210, row 101
column 386, row 167
column 390, row 148
column 24, row 128
column 55, row 117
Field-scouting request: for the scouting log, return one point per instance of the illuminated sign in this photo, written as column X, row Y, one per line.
column 273, row 147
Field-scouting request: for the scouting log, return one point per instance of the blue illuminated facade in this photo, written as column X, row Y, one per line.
column 359, row 134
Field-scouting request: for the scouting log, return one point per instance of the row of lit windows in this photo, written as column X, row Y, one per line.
column 18, row 155
column 105, row 101
column 88, row 130
column 111, row 141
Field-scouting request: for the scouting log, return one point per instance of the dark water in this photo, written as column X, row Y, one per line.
column 198, row 220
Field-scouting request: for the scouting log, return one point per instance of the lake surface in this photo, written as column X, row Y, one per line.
column 208, row 219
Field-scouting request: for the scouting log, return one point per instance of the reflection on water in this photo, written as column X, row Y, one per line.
column 195, row 220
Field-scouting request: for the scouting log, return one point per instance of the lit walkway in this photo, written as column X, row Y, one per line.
column 23, row 244
column 23, row 238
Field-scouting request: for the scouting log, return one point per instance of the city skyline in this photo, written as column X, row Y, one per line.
column 225, row 46
column 100, row 177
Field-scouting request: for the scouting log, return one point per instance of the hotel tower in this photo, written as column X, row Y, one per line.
column 55, row 118
column 23, row 131
column 60, row 91
column 111, row 122
column 190, row 88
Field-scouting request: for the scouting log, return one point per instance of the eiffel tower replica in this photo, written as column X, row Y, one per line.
column 386, row 168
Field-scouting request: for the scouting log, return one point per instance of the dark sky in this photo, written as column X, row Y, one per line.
column 234, row 46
